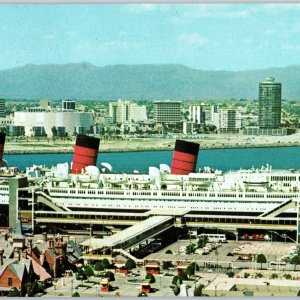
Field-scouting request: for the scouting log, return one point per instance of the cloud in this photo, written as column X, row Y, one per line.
column 142, row 8
column 276, row 8
column 122, row 44
column 201, row 11
column 192, row 39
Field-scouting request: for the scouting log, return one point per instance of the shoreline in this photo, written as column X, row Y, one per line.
column 69, row 150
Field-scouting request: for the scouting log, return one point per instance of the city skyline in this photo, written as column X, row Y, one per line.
column 229, row 37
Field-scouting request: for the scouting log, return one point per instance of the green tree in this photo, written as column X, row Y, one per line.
column 261, row 259
column 169, row 251
column 274, row 276
column 130, row 264
column 184, row 275
column 81, row 275
column 230, row 274
column 295, row 261
column 31, row 288
column 176, row 290
column 150, row 277
column 192, row 268
column 246, row 275
column 76, row 294
column 14, row 292
column 198, row 290
column 88, row 271
column 259, row 275
column 99, row 266
column 142, row 294
column 177, row 280
column 110, row 275
column 202, row 241
column 190, row 249
column 41, row 287
column 167, row 265
column 105, row 263
column 287, row 276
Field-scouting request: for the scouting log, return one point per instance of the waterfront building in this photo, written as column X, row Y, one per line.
column 229, row 121
column 255, row 130
column 269, row 115
column 167, row 111
column 41, row 123
column 125, row 112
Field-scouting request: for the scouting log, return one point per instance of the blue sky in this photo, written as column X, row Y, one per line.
column 202, row 36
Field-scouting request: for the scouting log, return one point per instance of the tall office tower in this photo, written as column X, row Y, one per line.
column 119, row 111
column 229, row 120
column 68, row 104
column 125, row 111
column 196, row 114
column 2, row 108
column 269, row 114
column 167, row 111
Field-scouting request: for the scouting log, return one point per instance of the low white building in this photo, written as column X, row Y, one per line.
column 43, row 122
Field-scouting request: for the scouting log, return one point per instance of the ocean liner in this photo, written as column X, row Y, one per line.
column 264, row 196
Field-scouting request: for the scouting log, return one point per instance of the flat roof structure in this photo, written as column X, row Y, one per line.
column 260, row 287
column 127, row 234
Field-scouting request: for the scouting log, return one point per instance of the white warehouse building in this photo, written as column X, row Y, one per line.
column 43, row 122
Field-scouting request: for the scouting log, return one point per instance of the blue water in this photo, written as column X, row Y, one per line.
column 223, row 159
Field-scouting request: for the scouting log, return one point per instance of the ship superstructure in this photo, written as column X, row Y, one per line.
column 254, row 191
column 261, row 198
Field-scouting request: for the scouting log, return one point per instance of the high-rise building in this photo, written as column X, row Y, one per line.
column 229, row 121
column 2, row 108
column 125, row 112
column 167, row 111
column 197, row 114
column 269, row 115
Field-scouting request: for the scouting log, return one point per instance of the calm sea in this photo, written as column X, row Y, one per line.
column 225, row 159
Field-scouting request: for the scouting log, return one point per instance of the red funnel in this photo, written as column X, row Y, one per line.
column 85, row 153
column 184, row 157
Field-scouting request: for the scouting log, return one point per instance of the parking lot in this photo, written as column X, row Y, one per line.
column 213, row 265
column 273, row 251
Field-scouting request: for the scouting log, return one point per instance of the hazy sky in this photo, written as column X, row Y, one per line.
column 202, row 36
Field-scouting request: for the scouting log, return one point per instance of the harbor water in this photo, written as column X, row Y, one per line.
column 127, row 162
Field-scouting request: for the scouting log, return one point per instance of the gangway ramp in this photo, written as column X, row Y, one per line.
column 131, row 235
column 279, row 209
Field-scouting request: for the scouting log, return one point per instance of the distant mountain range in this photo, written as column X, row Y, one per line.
column 86, row 81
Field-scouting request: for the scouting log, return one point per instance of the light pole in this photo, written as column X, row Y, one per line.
column 217, row 254
column 72, row 280
column 54, row 285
